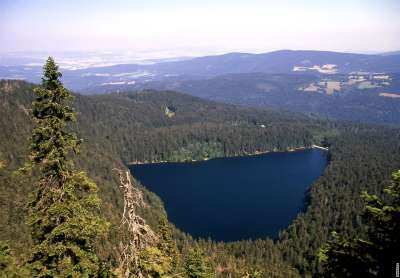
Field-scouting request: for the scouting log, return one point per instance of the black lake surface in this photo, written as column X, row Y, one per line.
column 236, row 198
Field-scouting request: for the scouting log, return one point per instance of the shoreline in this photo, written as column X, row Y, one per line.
column 244, row 154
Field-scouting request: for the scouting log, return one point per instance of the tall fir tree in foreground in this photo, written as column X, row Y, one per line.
column 64, row 209
column 378, row 255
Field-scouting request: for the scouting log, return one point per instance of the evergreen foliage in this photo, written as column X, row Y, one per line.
column 163, row 259
column 155, row 264
column 197, row 265
column 167, row 244
column 8, row 265
column 120, row 128
column 63, row 211
column 377, row 255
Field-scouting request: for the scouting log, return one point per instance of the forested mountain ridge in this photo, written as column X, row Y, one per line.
column 134, row 124
column 359, row 98
column 345, row 86
column 116, row 130
column 222, row 129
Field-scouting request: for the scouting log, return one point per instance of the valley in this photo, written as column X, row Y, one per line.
column 199, row 139
column 123, row 127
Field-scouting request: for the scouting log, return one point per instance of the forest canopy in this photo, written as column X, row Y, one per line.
column 133, row 126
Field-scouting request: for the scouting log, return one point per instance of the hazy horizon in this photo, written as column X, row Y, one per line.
column 188, row 28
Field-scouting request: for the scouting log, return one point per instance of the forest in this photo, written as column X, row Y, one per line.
column 122, row 128
column 285, row 91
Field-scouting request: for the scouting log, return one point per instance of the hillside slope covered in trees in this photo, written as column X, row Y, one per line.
column 121, row 128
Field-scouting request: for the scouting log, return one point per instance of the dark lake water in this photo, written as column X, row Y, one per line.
column 236, row 198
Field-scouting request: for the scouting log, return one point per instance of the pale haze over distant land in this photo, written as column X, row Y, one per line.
column 185, row 27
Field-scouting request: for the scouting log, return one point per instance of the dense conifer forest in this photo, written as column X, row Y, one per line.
column 121, row 128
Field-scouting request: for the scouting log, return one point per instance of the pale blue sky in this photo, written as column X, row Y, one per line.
column 185, row 27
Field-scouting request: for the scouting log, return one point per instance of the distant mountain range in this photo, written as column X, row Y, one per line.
column 372, row 98
column 356, row 87
column 283, row 61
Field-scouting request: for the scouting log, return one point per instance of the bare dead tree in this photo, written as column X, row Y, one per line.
column 139, row 234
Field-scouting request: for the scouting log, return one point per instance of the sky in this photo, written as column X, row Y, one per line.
column 187, row 28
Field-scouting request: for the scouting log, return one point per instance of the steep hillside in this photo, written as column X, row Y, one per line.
column 120, row 128
column 97, row 160
column 127, row 127
column 138, row 127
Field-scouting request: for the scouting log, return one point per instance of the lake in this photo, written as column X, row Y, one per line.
column 236, row 198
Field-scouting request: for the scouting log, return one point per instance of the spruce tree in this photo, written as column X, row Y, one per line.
column 154, row 264
column 377, row 255
column 63, row 211
column 197, row 265
column 161, row 260
column 167, row 244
